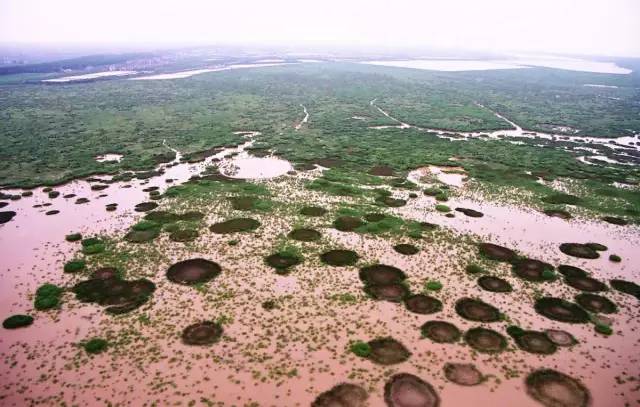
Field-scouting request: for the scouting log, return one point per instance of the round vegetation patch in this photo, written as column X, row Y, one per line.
column 553, row 389
column 391, row 202
column 145, row 206
column 342, row 395
column 120, row 296
column 374, row 217
column 470, row 212
column 347, row 223
column 17, row 321
column 585, row 284
column 440, row 331
column 393, row 292
column 382, row 171
column 52, row 212
column 406, row 249
column 73, row 237
column 561, row 310
column 193, row 271
column 243, row 203
column 423, row 304
column 81, row 201
column 339, row 258
column 627, row 287
column 562, row 198
column 161, row 217
column 615, row 220
column 560, row 338
column 495, row 252
column 95, row 345
column 428, row 227
column 381, row 274
column 235, row 226
column 407, row 390
column 580, row 250
column 533, row 270
column 74, row 266
column 597, row 247
column 305, row 235
column 464, row 374
column 596, row 303
column 283, row 261
column 535, row 342
column 202, row 333
column 387, row 351
column 571, row 271
column 6, row 216
column 315, row 211
column 184, row 235
column 476, row 310
column 485, row 340
column 494, row 284
column 558, row 213
column 141, row 236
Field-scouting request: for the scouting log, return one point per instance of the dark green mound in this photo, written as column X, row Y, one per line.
column 191, row 216
column 627, row 287
column 391, row 202
column 440, row 331
column 339, row 258
column 422, row 304
column 562, row 198
column 560, row 338
column 202, row 333
column 388, row 351
column 17, row 321
column 120, row 296
column 95, row 345
column 596, row 303
column 142, row 236
column 393, row 292
column 73, row 237
column 347, row 223
column 476, row 310
column 532, row 270
column 597, row 247
column 305, row 235
column 48, row 296
column 283, row 261
column 561, row 310
column 406, row 249
column 145, row 206
column 585, row 284
column 184, row 235
column 342, row 395
column 494, row 284
column 6, row 216
column 193, row 271
column 52, row 212
column 485, row 340
column 74, row 266
column 407, row 390
column 558, row 213
column 161, row 217
column 81, row 201
column 571, row 271
column 555, row 389
column 535, row 342
column 313, row 211
column 235, row 225
column 615, row 220
column 428, row 227
column 496, row 252
column 470, row 212
column 580, row 250
column 374, row 217
column 381, row 274
column 464, row 374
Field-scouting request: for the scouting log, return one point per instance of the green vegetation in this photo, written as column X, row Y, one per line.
column 361, row 349
column 95, row 345
column 433, row 285
column 48, row 296
column 73, row 237
column 74, row 266
column 17, row 321
column 442, row 208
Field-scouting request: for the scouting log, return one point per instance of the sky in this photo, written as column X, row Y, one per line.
column 594, row 27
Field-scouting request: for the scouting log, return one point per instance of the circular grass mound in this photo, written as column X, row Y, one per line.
column 596, row 303
column 464, row 374
column 142, row 236
column 393, row 292
column 391, row 202
column 532, row 270
column 571, row 271
column 560, row 338
column 423, row 304
column 243, row 203
column 314, row 211
column 476, row 310
column 347, row 223
column 202, row 333
column 283, row 261
column 407, row 390
column 145, row 206
column 339, row 258
column 555, row 389
column 374, row 217
column 472, row 213
column 406, row 249
column 235, row 226
column 494, row 284
column 387, row 351
column 626, row 287
column 193, row 271
column 184, row 235
column 496, row 252
column 342, row 395
column 535, row 342
column 305, row 235
column 558, row 213
column 585, row 284
column 597, row 247
column 161, row 217
column 485, row 340
column 440, row 331
column 17, row 321
column 579, row 250
column 561, row 310
column 120, row 296
column 6, row 216
column 381, row 274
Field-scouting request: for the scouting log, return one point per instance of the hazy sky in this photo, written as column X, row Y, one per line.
column 605, row 27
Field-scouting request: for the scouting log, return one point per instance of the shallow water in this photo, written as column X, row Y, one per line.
column 88, row 76
column 190, row 73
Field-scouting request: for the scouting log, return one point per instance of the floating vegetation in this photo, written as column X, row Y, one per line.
column 485, row 340
column 433, row 285
column 387, row 351
column 342, row 395
column 73, row 237
column 580, row 250
column 283, row 260
column 406, row 249
column 145, row 206
column 477, row 310
column 81, row 201
column 17, row 321
column 347, row 223
column 142, row 236
column 464, row 374
column 603, row 329
column 440, row 331
column 615, row 220
column 193, row 271
column 339, row 258
column 443, row 208
column 533, row 270
column 95, row 346
column 533, row 341
column 585, row 283
column 470, row 212
column 561, row 310
column 554, row 389
column 52, row 212
column 305, row 235
column 560, row 338
column 407, row 390
column 494, row 284
column 235, row 226
column 381, row 274
column 161, row 217
column 496, row 252
column 391, row 202
column 627, row 287
column 361, row 349
column 48, row 296
column 394, row 292
column 475, row 269
column 120, row 296
column 74, row 266
column 562, row 198
column 315, row 211
column 615, row 258
column 596, row 303
column 597, row 246
column 184, row 235
column 423, row 304
column 6, row 216
column 558, row 213
column 202, row 333
column 571, row 271
column 92, row 245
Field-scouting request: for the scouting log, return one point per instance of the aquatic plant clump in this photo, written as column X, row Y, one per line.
column 342, row 395
column 141, row 236
column 485, row 340
column 145, row 206
column 119, row 296
column 305, row 235
column 393, row 292
column 558, row 213
column 533, row 270
column 95, row 345
column 440, row 331
column 560, row 338
column 388, row 351
column 347, row 223
column 48, row 296
column 494, row 284
column 283, row 261
column 596, row 303
column 193, row 271
column 423, row 304
column 553, row 389
column 585, row 284
column 314, row 211
column 184, row 235
column 339, row 258
column 472, row 213
column 74, row 266
column 202, row 333
column 73, row 237
column 361, row 349
column 535, row 342
column 406, row 249
column 6, row 216
column 626, row 287
column 477, row 310
column 579, row 250
column 561, row 310
column 464, row 374
column 615, row 220
column 17, row 321
column 381, row 274
column 496, row 252
column 597, row 246
column 571, row 271
column 235, row 226
column 407, row 390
